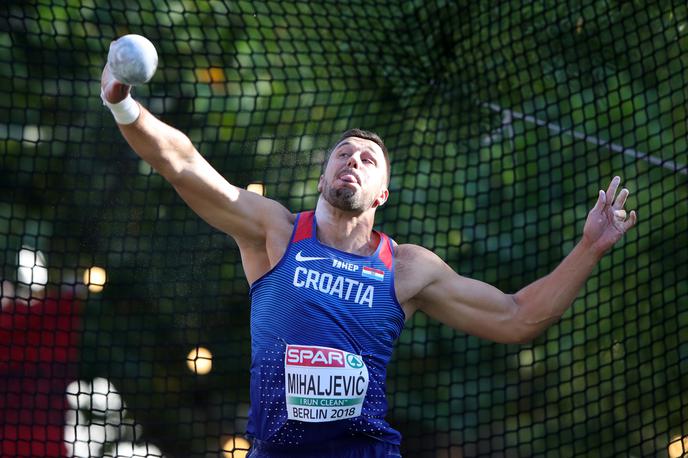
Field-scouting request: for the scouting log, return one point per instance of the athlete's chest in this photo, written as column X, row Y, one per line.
column 339, row 277
column 321, row 296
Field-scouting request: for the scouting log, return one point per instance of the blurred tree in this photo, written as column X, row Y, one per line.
column 503, row 120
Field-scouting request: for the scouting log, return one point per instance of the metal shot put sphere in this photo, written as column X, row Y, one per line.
column 132, row 59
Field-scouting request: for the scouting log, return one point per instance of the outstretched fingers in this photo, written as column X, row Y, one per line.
column 611, row 191
column 630, row 222
column 621, row 199
column 601, row 199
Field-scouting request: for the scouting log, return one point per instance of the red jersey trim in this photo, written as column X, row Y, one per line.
column 304, row 227
column 304, row 230
column 386, row 251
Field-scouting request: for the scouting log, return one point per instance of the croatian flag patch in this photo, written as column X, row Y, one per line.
column 375, row 274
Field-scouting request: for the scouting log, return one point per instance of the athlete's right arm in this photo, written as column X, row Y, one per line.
column 246, row 216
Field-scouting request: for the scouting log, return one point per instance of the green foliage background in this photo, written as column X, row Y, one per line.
column 503, row 120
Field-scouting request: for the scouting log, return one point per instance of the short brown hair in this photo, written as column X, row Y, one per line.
column 366, row 135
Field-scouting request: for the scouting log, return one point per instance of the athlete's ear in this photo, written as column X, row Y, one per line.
column 381, row 198
column 320, row 183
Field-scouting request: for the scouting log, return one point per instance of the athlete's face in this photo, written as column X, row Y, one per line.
column 355, row 178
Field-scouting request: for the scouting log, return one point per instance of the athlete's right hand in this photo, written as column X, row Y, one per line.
column 112, row 90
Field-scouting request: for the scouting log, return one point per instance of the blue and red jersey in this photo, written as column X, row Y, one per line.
column 323, row 325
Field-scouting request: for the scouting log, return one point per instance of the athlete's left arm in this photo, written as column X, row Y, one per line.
column 483, row 310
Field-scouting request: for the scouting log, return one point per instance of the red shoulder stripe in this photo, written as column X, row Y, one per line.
column 304, row 227
column 386, row 251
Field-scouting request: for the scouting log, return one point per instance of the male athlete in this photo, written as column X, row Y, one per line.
column 330, row 294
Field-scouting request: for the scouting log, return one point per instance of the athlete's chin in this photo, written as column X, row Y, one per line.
column 347, row 205
column 347, row 200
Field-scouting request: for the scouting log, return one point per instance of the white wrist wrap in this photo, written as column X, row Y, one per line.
column 125, row 112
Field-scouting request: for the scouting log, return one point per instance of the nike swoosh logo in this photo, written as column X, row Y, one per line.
column 299, row 257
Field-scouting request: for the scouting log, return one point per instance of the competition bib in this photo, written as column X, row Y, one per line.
column 323, row 384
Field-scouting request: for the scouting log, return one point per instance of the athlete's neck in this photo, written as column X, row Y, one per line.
column 346, row 231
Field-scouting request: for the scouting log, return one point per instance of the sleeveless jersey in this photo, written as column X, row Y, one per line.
column 323, row 325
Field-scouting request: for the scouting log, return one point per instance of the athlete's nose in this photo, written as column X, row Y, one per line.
column 353, row 161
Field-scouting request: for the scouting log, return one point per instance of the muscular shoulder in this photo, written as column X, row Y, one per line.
column 415, row 268
column 259, row 255
column 408, row 253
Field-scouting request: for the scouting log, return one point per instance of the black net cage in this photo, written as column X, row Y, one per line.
column 124, row 328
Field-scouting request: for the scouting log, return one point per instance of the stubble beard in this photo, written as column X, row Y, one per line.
column 346, row 199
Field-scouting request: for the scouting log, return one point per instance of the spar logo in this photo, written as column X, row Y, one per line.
column 314, row 356
column 310, row 356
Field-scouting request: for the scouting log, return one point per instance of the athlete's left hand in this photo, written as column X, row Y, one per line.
column 607, row 222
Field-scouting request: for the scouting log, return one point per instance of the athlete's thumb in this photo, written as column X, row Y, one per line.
column 111, row 90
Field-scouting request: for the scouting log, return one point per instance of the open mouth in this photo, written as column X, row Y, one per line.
column 349, row 177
